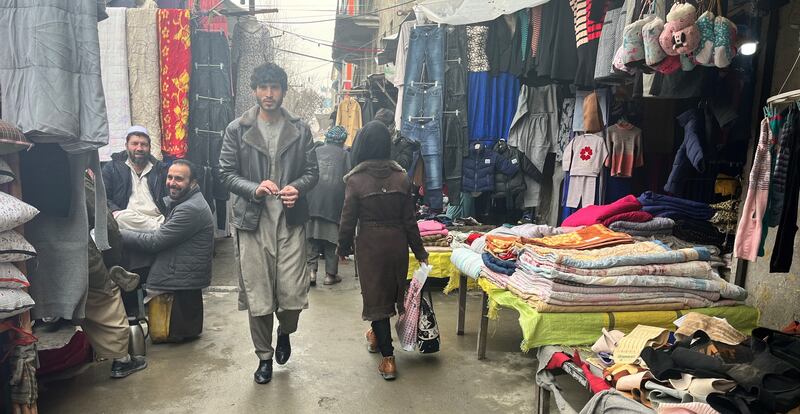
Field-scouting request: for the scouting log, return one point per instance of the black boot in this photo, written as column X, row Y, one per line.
column 263, row 374
column 283, row 350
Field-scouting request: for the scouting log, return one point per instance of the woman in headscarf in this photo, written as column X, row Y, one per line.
column 378, row 200
column 325, row 205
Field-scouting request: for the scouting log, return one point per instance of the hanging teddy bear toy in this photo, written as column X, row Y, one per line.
column 681, row 35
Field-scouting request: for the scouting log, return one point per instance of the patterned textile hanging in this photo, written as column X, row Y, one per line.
column 174, row 43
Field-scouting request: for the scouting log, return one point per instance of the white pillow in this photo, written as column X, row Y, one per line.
column 13, row 302
column 14, row 212
column 14, row 247
column 6, row 175
column 11, row 277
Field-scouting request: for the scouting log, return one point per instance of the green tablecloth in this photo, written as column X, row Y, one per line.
column 573, row 329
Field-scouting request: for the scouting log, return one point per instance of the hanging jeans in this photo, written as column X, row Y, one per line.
column 423, row 98
column 428, row 134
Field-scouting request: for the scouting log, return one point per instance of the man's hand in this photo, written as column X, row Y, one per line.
column 289, row 195
column 423, row 261
column 266, row 188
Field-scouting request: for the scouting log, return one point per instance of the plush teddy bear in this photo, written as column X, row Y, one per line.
column 680, row 35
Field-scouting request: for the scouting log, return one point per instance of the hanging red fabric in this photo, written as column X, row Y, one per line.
column 176, row 57
column 213, row 23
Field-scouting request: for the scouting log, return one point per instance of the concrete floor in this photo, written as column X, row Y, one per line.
column 330, row 370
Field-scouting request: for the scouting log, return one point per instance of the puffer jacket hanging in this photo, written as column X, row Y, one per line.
column 690, row 156
column 508, row 185
column 479, row 168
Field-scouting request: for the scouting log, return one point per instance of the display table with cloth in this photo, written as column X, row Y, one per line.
column 443, row 268
column 572, row 329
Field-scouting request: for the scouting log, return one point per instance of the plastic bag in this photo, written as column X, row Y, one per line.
column 408, row 322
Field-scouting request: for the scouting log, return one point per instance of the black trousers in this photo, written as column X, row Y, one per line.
column 455, row 125
column 383, row 331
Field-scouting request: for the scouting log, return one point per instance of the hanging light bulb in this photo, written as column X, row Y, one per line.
column 747, row 40
column 748, row 48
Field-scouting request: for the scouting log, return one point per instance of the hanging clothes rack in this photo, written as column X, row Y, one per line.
column 786, row 97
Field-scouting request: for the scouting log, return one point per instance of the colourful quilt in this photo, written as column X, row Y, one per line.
column 176, row 58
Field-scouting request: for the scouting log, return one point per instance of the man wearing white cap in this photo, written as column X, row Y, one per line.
column 136, row 184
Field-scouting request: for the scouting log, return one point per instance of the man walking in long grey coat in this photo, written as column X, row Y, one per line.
column 269, row 164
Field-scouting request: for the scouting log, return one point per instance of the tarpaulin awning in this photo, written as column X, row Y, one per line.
column 458, row 12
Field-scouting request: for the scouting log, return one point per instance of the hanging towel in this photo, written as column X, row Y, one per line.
column 114, row 70
column 176, row 57
column 143, row 74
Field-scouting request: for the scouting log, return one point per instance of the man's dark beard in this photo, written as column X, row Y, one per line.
column 277, row 107
column 182, row 193
column 137, row 161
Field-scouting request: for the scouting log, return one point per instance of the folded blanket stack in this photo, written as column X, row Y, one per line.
column 506, row 267
column 591, row 237
column 498, row 279
column 703, row 232
column 638, row 276
column 655, row 227
column 467, row 262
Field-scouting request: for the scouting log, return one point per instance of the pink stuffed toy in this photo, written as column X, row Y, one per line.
column 680, row 35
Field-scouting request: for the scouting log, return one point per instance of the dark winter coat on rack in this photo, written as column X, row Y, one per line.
column 690, row 155
column 508, row 185
column 480, row 166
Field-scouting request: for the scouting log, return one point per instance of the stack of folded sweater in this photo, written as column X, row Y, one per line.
column 433, row 233
column 628, row 277
column 500, row 257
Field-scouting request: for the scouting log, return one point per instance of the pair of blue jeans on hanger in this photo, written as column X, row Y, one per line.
column 423, row 100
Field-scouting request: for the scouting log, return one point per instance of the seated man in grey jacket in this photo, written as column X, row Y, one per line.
column 183, row 248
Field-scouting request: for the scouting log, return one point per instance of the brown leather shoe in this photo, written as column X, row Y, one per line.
column 372, row 341
column 387, row 368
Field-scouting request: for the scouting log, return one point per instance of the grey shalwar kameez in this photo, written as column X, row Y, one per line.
column 273, row 262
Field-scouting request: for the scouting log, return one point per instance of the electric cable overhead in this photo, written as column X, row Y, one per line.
column 348, row 17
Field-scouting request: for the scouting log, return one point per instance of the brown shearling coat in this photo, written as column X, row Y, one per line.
column 379, row 202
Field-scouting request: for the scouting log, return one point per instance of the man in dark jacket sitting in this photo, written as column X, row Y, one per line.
column 134, row 182
column 183, row 247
